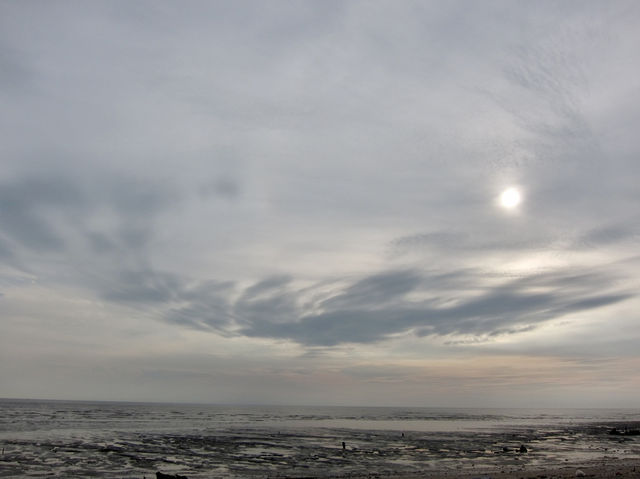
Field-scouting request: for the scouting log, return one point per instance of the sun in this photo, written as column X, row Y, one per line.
column 510, row 198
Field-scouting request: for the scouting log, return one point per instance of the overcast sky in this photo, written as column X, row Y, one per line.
column 299, row 202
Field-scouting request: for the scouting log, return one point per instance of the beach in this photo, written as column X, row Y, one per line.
column 114, row 440
column 612, row 469
column 607, row 469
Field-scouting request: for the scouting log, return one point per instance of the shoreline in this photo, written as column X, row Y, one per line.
column 605, row 469
column 118, row 442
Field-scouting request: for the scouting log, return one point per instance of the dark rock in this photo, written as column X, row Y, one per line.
column 160, row 475
column 627, row 432
column 523, row 449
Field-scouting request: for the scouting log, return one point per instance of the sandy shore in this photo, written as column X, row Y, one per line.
column 554, row 451
column 613, row 469
column 603, row 470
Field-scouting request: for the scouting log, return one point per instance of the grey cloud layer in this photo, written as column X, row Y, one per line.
column 148, row 147
column 372, row 308
column 369, row 309
column 51, row 214
column 531, row 239
column 377, row 307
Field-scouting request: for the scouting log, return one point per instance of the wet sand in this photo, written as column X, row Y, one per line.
column 602, row 470
column 523, row 452
column 613, row 469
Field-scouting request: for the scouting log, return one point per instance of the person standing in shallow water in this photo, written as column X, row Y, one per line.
column 344, row 446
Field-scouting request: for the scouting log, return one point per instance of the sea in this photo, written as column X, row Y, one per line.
column 135, row 440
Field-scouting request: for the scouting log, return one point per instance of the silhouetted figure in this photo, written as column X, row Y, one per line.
column 344, row 446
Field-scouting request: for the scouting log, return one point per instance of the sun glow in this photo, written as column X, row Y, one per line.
column 510, row 198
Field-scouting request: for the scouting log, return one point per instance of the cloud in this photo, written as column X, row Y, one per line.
column 319, row 174
column 5, row 250
column 144, row 287
column 270, row 300
column 25, row 207
column 222, row 187
column 15, row 76
column 373, row 308
column 203, row 305
column 48, row 213
column 535, row 236
column 462, row 242
column 375, row 291
column 609, row 235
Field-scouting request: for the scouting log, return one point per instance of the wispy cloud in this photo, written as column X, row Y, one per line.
column 373, row 308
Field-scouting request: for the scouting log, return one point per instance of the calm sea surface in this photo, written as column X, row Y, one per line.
column 133, row 440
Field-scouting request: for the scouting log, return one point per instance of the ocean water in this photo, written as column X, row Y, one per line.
column 127, row 440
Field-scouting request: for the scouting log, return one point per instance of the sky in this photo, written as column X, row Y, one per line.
column 300, row 202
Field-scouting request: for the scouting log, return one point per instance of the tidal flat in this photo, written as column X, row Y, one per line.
column 113, row 440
